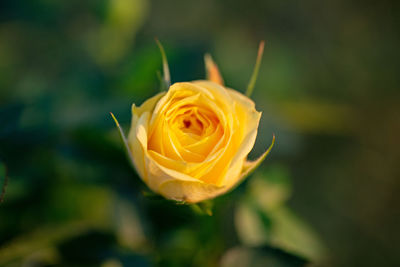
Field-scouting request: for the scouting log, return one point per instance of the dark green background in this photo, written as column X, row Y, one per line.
column 328, row 88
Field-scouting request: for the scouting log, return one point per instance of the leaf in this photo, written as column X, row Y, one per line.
column 270, row 188
column 249, row 227
column 263, row 218
column 40, row 239
column 128, row 225
column 166, row 73
column 254, row 76
column 266, row 256
column 212, row 71
column 293, row 234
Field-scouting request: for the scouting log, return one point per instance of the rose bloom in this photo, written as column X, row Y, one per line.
column 191, row 143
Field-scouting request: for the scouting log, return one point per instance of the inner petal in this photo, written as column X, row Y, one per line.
column 191, row 124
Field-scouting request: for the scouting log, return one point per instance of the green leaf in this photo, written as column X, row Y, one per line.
column 294, row 234
column 263, row 218
column 248, row 224
column 270, row 188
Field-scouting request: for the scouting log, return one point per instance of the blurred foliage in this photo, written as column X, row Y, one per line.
column 262, row 217
column 328, row 88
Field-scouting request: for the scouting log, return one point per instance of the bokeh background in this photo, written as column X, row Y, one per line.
column 328, row 87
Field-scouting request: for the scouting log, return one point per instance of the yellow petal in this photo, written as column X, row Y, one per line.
column 234, row 170
column 247, row 124
column 147, row 105
column 138, row 133
column 157, row 174
column 138, row 145
column 190, row 192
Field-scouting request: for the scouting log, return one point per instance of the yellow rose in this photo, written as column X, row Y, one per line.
column 191, row 143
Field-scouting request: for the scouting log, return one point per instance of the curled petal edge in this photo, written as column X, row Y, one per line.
column 250, row 166
column 193, row 192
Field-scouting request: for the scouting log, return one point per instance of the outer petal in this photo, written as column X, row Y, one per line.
column 246, row 168
column 147, row 105
column 138, row 131
column 190, row 192
column 248, row 121
column 158, row 175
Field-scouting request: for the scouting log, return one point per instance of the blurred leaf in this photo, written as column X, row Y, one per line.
column 40, row 239
column 110, row 41
column 271, row 187
column 111, row 263
column 293, row 234
column 268, row 188
column 42, row 257
column 92, row 203
column 263, row 218
column 317, row 116
column 260, row 257
column 177, row 247
column 249, row 227
column 129, row 228
column 136, row 77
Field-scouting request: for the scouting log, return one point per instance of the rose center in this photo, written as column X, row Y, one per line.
column 191, row 124
column 187, row 123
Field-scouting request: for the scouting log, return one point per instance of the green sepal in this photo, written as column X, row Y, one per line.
column 166, row 73
column 203, row 208
column 123, row 138
column 254, row 76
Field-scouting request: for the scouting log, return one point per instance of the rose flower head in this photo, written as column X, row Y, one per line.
column 191, row 142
